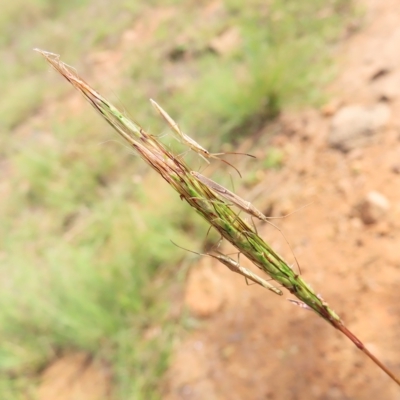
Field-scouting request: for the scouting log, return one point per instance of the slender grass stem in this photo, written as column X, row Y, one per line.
column 206, row 203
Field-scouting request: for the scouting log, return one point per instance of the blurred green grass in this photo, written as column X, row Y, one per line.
column 85, row 235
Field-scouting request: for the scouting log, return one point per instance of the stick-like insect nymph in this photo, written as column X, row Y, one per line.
column 192, row 144
column 232, row 197
column 234, row 266
column 244, row 205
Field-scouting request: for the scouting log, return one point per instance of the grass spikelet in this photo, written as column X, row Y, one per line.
column 211, row 207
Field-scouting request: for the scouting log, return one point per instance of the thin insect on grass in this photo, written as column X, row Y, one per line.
column 234, row 266
column 239, row 202
column 230, row 196
column 216, row 212
column 192, row 144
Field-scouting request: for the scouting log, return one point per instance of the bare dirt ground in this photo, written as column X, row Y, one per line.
column 254, row 345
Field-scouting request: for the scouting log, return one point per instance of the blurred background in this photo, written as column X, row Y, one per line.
column 95, row 301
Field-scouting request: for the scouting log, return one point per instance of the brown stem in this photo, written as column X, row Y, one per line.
column 361, row 346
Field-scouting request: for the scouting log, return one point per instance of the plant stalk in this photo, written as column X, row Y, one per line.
column 207, row 203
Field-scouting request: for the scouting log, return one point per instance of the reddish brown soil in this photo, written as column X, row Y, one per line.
column 75, row 377
column 254, row 345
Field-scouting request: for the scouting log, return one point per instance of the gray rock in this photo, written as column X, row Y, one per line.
column 353, row 126
column 373, row 207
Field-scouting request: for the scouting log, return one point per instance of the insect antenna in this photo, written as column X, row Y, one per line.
column 287, row 242
column 231, row 152
column 292, row 212
column 190, row 251
column 226, row 162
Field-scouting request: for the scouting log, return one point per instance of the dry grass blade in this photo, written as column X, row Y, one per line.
column 206, row 203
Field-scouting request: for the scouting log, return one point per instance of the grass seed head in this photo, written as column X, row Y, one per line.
column 200, row 195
